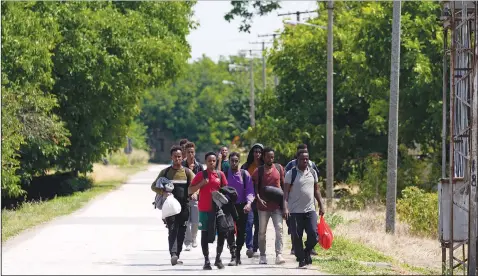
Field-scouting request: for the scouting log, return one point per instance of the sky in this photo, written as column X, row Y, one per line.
column 216, row 37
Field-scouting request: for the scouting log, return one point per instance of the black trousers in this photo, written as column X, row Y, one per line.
column 205, row 244
column 298, row 223
column 176, row 233
column 236, row 244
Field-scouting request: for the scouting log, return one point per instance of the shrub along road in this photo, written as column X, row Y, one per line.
column 120, row 233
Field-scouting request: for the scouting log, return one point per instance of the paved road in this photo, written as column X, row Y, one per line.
column 118, row 233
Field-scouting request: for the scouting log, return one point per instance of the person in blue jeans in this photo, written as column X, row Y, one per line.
column 254, row 160
column 300, row 189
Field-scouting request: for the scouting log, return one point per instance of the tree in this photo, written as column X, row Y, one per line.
column 246, row 10
column 361, row 83
column 29, row 127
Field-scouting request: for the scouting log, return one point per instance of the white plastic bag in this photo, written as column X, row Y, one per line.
column 171, row 207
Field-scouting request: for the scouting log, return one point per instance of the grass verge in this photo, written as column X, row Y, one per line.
column 31, row 214
column 352, row 257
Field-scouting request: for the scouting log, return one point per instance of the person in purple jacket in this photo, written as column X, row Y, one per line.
column 240, row 180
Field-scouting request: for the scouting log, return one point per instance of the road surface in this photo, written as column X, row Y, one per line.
column 121, row 233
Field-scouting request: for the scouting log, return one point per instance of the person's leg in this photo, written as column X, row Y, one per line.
column 310, row 225
column 181, row 234
column 203, row 226
column 241, row 231
column 279, row 243
column 173, row 228
column 188, row 237
column 205, row 250
column 194, row 220
column 255, row 243
column 221, row 237
column 263, row 221
column 297, row 230
column 249, row 234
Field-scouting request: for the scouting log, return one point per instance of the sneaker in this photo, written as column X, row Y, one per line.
column 263, row 260
column 313, row 252
column 174, row 259
column 255, row 255
column 188, row 247
column 302, row 264
column 238, row 259
column 308, row 258
column 279, row 259
column 195, row 244
column 180, row 262
column 292, row 252
column 219, row 264
column 207, row 265
column 249, row 253
column 233, row 262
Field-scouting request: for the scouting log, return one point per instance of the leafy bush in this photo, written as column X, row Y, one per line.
column 136, row 157
column 419, row 210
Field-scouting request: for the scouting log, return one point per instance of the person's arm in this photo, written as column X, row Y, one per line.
column 318, row 197
column 197, row 183
column 224, row 179
column 287, row 186
column 249, row 188
column 153, row 186
column 255, row 180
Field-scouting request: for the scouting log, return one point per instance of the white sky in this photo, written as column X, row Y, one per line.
column 216, row 37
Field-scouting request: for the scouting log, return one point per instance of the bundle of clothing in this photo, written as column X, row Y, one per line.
column 223, row 214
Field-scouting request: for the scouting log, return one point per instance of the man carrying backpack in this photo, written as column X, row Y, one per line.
column 288, row 167
column 207, row 182
column 301, row 187
column 192, row 224
column 181, row 178
column 270, row 175
column 240, row 180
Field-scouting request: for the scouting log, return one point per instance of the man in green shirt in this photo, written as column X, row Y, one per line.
column 181, row 178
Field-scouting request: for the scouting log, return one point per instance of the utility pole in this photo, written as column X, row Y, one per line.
column 264, row 81
column 393, row 121
column 252, row 100
column 276, row 79
column 330, row 105
column 297, row 13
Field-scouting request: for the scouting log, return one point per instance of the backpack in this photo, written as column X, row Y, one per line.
column 243, row 175
column 160, row 199
column 294, row 175
column 261, row 173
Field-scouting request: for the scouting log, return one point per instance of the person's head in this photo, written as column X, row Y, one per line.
column 300, row 147
column 183, row 142
column 234, row 158
column 190, row 149
column 176, row 155
column 258, row 151
column 210, row 159
column 268, row 156
column 223, row 150
column 302, row 159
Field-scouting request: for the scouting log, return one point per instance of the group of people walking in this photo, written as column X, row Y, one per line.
column 236, row 203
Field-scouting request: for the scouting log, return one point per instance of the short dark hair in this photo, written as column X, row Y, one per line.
column 183, row 141
column 175, row 148
column 266, row 150
column 301, row 151
column 208, row 154
column 234, row 153
column 189, row 145
column 301, row 146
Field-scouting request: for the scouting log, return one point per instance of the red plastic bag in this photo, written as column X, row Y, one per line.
column 325, row 234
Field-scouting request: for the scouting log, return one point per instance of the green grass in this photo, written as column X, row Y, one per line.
column 31, row 214
column 350, row 257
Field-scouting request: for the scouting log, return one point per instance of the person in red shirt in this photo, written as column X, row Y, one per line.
column 214, row 181
column 273, row 175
